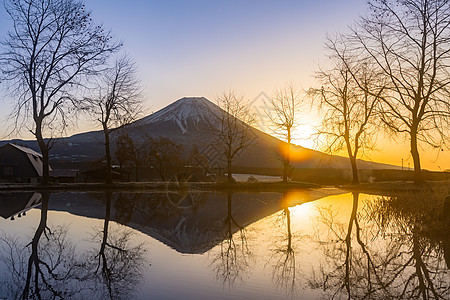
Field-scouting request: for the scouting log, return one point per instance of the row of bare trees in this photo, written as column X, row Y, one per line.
column 162, row 155
column 58, row 62
column 390, row 73
column 391, row 70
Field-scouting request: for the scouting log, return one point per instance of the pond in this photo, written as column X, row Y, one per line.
column 303, row 244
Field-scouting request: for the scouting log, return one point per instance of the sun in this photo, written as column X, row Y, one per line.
column 303, row 136
column 306, row 127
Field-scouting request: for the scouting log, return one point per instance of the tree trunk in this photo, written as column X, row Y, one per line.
column 161, row 169
column 136, row 171
column 354, row 170
column 286, row 162
column 352, row 154
column 287, row 156
column 230, row 177
column 45, row 154
column 108, row 153
column 418, row 178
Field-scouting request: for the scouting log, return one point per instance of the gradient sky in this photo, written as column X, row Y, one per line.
column 201, row 48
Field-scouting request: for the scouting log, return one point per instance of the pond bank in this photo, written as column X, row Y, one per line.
column 391, row 188
column 164, row 186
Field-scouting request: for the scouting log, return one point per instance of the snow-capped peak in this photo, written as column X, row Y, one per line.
column 185, row 110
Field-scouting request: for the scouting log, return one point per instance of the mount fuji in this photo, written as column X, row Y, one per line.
column 190, row 122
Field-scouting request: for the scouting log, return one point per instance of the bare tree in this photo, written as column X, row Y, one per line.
column 233, row 131
column 409, row 43
column 118, row 101
column 348, row 97
column 282, row 113
column 164, row 154
column 128, row 150
column 138, row 156
column 124, row 148
column 52, row 47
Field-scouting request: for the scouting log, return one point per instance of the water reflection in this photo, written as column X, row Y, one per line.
column 387, row 250
column 415, row 222
column 115, row 268
column 42, row 268
column 233, row 255
column 48, row 267
column 283, row 256
column 351, row 246
column 17, row 204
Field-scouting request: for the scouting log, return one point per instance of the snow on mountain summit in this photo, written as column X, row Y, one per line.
column 185, row 111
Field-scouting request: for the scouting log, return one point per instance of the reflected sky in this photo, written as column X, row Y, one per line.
column 236, row 245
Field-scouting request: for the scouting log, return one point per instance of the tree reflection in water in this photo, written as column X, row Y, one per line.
column 232, row 256
column 396, row 254
column 115, row 269
column 49, row 268
column 415, row 221
column 283, row 256
column 45, row 268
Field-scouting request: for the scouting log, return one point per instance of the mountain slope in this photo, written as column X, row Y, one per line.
column 191, row 122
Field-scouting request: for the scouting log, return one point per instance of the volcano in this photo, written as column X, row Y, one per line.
column 191, row 122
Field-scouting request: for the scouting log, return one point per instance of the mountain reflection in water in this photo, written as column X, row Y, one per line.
column 256, row 245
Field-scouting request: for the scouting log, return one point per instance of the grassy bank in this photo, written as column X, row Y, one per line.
column 162, row 186
column 392, row 188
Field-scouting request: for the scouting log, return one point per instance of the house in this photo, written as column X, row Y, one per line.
column 64, row 176
column 20, row 164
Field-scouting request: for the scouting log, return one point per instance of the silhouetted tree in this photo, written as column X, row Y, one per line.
column 52, row 47
column 349, row 97
column 128, row 150
column 118, row 101
column 124, row 148
column 233, row 131
column 408, row 42
column 282, row 114
column 163, row 154
column 197, row 159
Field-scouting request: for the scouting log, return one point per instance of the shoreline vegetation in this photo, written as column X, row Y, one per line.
column 393, row 188
column 385, row 188
column 165, row 186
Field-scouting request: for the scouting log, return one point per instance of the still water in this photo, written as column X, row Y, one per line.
column 305, row 244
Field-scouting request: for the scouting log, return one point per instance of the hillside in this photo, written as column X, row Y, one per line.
column 191, row 122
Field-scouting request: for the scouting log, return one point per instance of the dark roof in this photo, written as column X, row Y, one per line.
column 64, row 173
column 26, row 150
